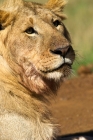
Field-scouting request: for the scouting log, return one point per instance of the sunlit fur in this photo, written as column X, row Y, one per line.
column 29, row 72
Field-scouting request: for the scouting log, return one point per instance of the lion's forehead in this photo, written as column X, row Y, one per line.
column 28, row 17
column 37, row 11
column 37, row 8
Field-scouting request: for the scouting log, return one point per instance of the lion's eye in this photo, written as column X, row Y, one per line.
column 56, row 23
column 30, row 30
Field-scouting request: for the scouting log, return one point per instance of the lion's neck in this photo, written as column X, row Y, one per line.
column 4, row 67
column 6, row 74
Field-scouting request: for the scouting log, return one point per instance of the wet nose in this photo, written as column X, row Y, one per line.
column 63, row 51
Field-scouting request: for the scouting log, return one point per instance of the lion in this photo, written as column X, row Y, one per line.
column 35, row 55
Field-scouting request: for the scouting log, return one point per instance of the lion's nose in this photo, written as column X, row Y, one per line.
column 63, row 51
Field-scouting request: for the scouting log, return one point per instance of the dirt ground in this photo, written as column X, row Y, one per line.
column 73, row 107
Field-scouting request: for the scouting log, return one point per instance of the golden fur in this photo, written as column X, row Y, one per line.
column 33, row 40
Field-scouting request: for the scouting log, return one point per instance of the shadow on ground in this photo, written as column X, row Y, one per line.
column 86, row 135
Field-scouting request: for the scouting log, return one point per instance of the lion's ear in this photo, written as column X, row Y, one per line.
column 56, row 6
column 5, row 19
column 8, row 10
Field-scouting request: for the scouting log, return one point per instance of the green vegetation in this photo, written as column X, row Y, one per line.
column 84, row 59
column 80, row 26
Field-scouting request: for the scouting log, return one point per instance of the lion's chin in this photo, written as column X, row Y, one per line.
column 41, row 82
column 59, row 73
column 54, row 75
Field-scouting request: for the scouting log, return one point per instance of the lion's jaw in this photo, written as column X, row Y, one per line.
column 53, row 68
column 39, row 72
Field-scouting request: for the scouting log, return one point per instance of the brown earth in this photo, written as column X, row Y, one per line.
column 73, row 107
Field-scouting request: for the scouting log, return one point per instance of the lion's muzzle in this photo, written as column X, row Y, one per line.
column 59, row 65
column 65, row 52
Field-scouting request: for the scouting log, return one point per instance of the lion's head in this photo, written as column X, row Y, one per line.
column 35, row 43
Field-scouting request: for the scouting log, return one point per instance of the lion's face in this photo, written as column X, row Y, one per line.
column 39, row 46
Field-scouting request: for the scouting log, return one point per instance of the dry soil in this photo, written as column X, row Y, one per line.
column 73, row 106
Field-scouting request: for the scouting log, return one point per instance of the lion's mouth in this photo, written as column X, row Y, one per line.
column 58, row 68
